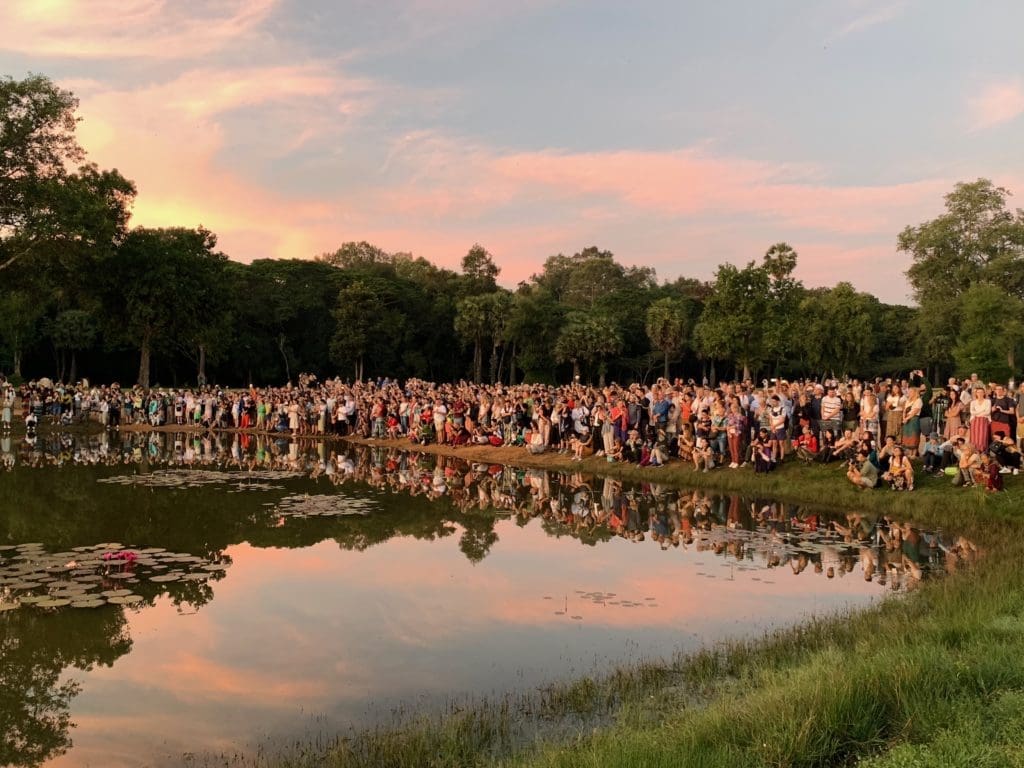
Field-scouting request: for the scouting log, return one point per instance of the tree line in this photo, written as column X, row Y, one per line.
column 84, row 294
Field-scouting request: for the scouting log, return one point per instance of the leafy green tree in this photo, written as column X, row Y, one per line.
column 499, row 311
column 72, row 331
column 977, row 239
column 479, row 271
column 837, row 330
column 588, row 339
column 533, row 326
column 991, row 333
column 20, row 314
column 367, row 322
column 733, row 323
column 472, row 323
column 785, row 292
column 158, row 289
column 359, row 255
column 37, row 143
column 667, row 327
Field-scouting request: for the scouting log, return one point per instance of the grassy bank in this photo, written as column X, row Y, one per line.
column 936, row 678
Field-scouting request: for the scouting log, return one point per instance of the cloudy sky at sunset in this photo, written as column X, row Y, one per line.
column 676, row 134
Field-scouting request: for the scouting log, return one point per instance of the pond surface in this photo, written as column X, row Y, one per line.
column 167, row 594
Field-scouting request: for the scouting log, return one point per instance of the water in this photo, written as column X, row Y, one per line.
column 306, row 588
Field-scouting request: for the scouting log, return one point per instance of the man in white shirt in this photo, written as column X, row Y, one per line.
column 831, row 413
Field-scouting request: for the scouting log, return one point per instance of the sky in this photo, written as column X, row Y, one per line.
column 676, row 134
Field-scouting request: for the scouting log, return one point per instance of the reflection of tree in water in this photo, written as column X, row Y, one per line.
column 478, row 536
column 35, row 650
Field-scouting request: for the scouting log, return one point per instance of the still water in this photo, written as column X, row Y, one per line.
column 167, row 594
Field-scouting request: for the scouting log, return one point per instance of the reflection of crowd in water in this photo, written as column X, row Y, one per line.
column 772, row 535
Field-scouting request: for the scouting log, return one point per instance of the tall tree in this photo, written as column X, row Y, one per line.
column 781, row 332
column 473, row 323
column 734, row 320
column 667, row 327
column 369, row 321
column 991, row 333
column 158, row 289
column 977, row 239
column 37, row 144
column 837, row 329
column 71, row 332
column 588, row 339
column 479, row 271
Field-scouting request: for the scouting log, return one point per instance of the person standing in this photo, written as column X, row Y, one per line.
column 981, row 419
column 1004, row 414
column 894, row 404
column 831, row 413
column 6, row 409
column 911, row 427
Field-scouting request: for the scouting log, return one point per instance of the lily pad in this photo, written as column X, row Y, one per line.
column 53, row 603
column 125, row 600
column 88, row 603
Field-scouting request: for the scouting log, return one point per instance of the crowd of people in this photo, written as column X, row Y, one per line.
column 886, row 432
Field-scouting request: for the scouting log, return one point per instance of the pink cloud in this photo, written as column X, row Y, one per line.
column 127, row 28
column 873, row 15
column 685, row 210
column 995, row 104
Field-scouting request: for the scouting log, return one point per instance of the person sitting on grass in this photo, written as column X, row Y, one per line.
column 581, row 445
column 703, row 456
column 885, row 454
column 761, row 450
column 685, row 443
column 993, row 479
column 900, row 473
column 827, row 447
column 1005, row 452
column 845, row 448
column 535, row 445
column 931, row 454
column 632, row 448
column 616, row 453
column 806, row 445
column 862, row 472
column 968, row 463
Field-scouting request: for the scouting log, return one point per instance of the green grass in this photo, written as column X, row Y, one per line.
column 934, row 679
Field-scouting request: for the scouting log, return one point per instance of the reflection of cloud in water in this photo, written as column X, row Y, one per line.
column 439, row 592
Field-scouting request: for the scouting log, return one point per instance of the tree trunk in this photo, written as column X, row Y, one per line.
column 144, row 352
column 746, row 371
column 201, row 373
column 73, row 373
column 600, row 374
column 478, row 361
column 713, row 374
column 287, row 368
column 494, row 363
column 16, row 352
column 575, row 370
column 666, row 365
column 512, row 367
column 501, row 366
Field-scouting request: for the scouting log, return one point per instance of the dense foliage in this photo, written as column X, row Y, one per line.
column 81, row 294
